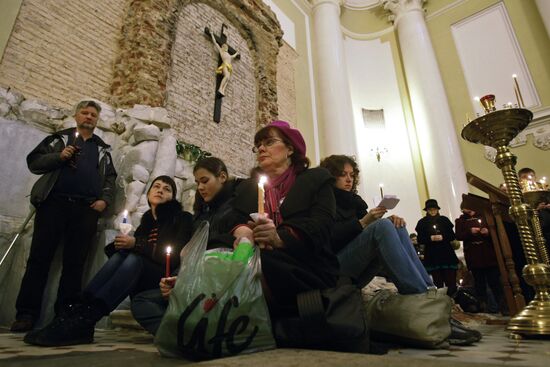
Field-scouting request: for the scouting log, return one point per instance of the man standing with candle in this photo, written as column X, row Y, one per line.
column 77, row 184
column 480, row 256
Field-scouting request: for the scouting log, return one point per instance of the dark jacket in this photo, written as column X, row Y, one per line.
column 437, row 254
column 220, row 216
column 478, row 248
column 308, row 213
column 45, row 160
column 174, row 229
column 350, row 207
column 544, row 217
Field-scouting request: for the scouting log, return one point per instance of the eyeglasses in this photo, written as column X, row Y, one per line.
column 266, row 143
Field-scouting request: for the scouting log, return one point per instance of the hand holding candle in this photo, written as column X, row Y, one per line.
column 125, row 227
column 261, row 194
column 168, row 252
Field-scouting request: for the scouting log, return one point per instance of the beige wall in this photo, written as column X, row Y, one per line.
column 535, row 45
column 441, row 14
column 61, row 50
column 298, row 12
column 10, row 9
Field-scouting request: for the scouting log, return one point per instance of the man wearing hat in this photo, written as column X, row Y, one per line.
column 436, row 232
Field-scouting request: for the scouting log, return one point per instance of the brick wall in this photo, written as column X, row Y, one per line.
column 286, row 87
column 191, row 90
column 61, row 50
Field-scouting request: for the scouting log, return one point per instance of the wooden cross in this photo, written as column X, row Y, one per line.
column 220, row 40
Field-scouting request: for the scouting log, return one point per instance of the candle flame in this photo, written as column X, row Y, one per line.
column 479, row 221
column 168, row 250
column 381, row 185
column 125, row 214
column 435, row 227
column 476, row 98
column 460, row 281
column 514, row 76
column 262, row 181
column 76, row 135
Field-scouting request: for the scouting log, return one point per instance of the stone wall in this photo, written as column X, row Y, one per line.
column 191, row 90
column 286, row 84
column 143, row 64
column 61, row 50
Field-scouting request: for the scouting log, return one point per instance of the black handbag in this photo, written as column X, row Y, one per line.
column 329, row 319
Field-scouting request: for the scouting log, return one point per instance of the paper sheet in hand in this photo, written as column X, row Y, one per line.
column 389, row 201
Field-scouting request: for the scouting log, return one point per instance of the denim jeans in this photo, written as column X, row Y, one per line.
column 124, row 274
column 148, row 308
column 382, row 249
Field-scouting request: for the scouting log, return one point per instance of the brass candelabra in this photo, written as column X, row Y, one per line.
column 497, row 129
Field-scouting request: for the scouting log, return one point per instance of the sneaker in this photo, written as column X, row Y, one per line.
column 22, row 324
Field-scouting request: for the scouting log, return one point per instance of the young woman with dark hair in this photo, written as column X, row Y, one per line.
column 213, row 203
column 137, row 264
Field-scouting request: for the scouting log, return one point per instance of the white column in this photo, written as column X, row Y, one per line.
column 336, row 115
column 544, row 11
column 437, row 135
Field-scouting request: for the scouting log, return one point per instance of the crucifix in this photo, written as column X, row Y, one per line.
column 225, row 68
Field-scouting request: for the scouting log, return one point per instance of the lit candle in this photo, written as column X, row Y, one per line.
column 509, row 104
column 435, row 228
column 381, row 190
column 168, row 252
column 516, row 86
column 261, row 194
column 479, row 221
column 460, row 281
column 125, row 216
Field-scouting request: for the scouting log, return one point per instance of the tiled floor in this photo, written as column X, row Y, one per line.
column 124, row 348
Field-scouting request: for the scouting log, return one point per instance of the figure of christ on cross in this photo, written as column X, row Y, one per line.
column 225, row 68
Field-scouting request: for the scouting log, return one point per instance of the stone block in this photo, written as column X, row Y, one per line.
column 184, row 169
column 133, row 192
column 39, row 112
column 12, row 97
column 142, row 154
column 4, row 108
column 155, row 115
column 147, row 132
column 139, row 173
column 165, row 163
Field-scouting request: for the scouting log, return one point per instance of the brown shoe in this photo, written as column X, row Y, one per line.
column 22, row 324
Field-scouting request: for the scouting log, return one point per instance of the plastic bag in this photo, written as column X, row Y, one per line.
column 216, row 308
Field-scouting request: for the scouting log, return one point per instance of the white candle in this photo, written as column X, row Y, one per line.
column 261, row 194
column 125, row 216
column 168, row 252
column 516, row 86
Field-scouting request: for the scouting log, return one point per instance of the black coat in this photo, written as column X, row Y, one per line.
column 350, row 207
column 45, row 160
column 220, row 216
column 174, row 229
column 307, row 261
column 438, row 254
column 479, row 252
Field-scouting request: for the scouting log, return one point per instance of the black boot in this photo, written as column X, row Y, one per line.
column 76, row 327
column 462, row 335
